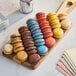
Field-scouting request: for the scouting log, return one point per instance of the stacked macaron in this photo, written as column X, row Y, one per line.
column 17, row 43
column 45, row 28
column 18, row 48
column 55, row 24
column 37, row 36
column 65, row 21
column 28, row 43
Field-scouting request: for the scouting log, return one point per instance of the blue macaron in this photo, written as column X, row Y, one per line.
column 39, row 42
column 37, row 31
column 37, row 36
column 33, row 26
column 42, row 50
column 31, row 21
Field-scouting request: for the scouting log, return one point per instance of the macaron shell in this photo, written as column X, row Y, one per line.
column 42, row 20
column 49, row 34
column 39, row 42
column 58, row 33
column 34, row 58
column 42, row 50
column 50, row 41
column 37, row 36
column 40, row 15
column 56, row 26
column 66, row 24
column 33, row 26
column 31, row 21
column 36, row 31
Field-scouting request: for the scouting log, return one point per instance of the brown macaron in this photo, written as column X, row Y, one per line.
column 22, row 29
column 30, row 48
column 34, row 58
column 29, row 42
column 29, row 45
column 32, row 52
column 26, row 37
column 28, row 33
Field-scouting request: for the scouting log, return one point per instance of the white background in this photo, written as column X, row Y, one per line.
column 48, row 67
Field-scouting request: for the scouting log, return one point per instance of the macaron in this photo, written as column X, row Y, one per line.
column 30, row 48
column 22, row 29
column 15, row 35
column 34, row 51
column 58, row 32
column 42, row 24
column 7, row 49
column 54, row 20
column 32, row 27
column 37, row 36
column 62, row 16
column 35, row 28
column 42, row 50
column 66, row 24
column 22, row 56
column 29, row 45
column 56, row 26
column 34, row 58
column 48, row 34
column 31, row 21
column 28, row 33
column 39, row 42
column 26, row 37
column 42, row 20
column 28, row 42
column 40, row 15
column 50, row 41
column 46, row 30
column 46, row 26
column 16, row 50
column 36, row 31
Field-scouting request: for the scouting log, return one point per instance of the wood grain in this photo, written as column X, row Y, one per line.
column 67, row 6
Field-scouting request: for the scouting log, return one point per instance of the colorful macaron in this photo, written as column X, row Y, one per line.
column 58, row 33
column 44, row 24
column 42, row 50
column 36, row 33
column 50, row 41
column 39, row 42
column 53, row 20
column 37, row 36
column 27, row 39
column 34, row 58
column 66, row 24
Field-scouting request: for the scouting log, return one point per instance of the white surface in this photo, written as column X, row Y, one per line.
column 47, row 68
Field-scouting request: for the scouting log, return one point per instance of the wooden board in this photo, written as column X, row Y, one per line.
column 34, row 66
column 67, row 6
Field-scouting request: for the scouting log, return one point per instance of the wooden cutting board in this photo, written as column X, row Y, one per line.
column 62, row 9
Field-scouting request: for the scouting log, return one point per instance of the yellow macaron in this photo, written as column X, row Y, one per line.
column 22, row 56
column 56, row 26
column 54, row 20
column 58, row 32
